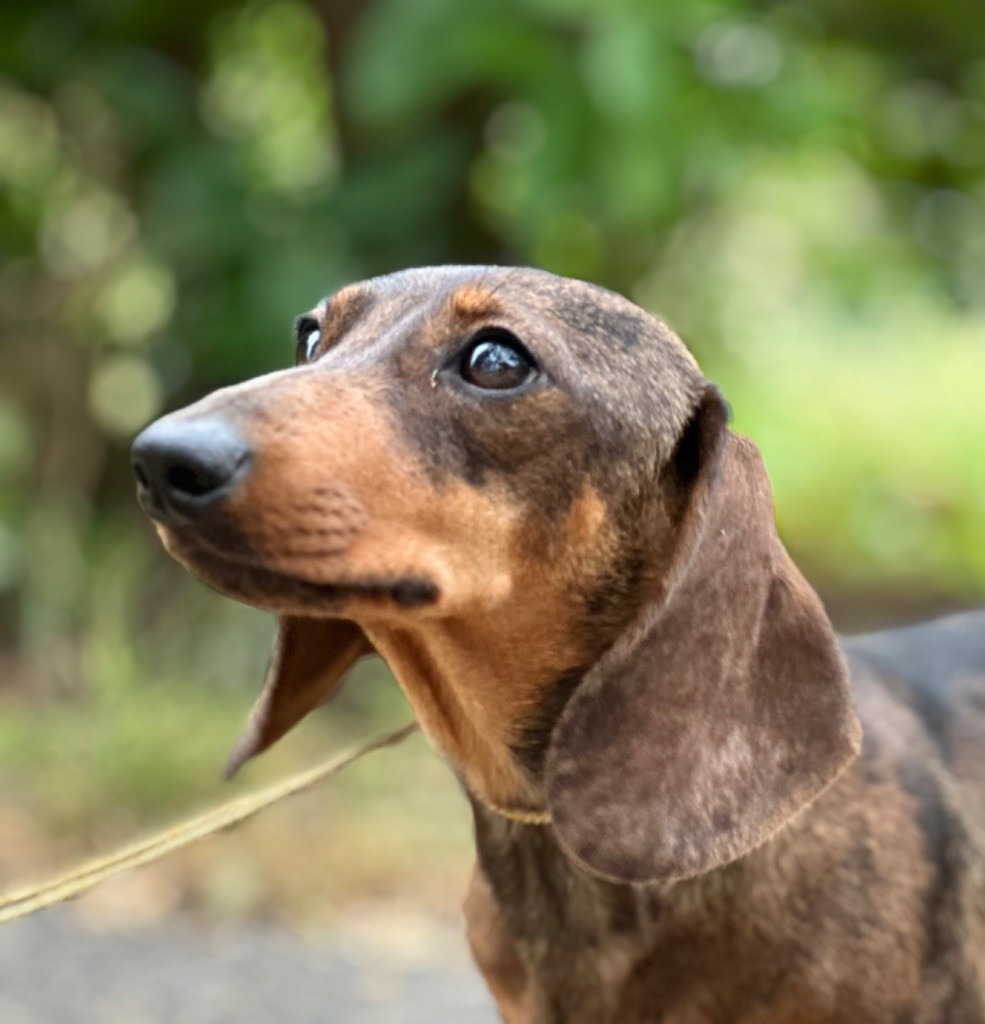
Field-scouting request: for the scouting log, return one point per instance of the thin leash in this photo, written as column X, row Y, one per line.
column 82, row 879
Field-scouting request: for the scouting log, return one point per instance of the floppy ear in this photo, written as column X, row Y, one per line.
column 724, row 709
column 310, row 658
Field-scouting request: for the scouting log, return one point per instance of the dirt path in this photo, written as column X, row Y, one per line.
column 55, row 970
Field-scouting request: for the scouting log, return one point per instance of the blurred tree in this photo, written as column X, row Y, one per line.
column 798, row 187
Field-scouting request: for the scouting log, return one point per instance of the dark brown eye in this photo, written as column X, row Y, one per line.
column 497, row 362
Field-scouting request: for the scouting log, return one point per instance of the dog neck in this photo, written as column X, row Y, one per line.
column 468, row 703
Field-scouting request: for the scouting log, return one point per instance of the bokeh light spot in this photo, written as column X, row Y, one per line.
column 124, row 394
column 737, row 55
column 137, row 301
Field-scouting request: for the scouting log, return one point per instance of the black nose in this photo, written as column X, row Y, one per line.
column 184, row 467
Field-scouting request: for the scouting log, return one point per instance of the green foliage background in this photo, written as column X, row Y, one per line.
column 798, row 188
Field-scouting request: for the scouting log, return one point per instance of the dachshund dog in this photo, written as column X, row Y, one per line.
column 692, row 802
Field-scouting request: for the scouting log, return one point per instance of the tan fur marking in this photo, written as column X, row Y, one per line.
column 473, row 303
column 336, row 314
column 474, row 673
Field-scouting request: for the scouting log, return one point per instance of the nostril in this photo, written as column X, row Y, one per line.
column 138, row 472
column 194, row 480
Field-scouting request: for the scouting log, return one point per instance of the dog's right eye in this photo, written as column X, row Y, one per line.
column 497, row 361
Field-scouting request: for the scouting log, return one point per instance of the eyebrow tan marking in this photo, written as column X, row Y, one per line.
column 338, row 313
column 474, row 303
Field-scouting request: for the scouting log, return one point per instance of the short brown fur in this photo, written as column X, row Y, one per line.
column 579, row 586
column 474, row 304
column 340, row 312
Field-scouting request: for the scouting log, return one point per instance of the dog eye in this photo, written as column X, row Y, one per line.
column 308, row 335
column 307, row 343
column 497, row 361
column 310, row 344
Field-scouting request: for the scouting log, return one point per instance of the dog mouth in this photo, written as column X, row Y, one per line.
column 272, row 589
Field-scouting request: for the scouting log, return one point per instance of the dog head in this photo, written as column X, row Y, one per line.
column 522, row 492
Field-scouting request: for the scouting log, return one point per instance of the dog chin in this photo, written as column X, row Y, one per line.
column 282, row 593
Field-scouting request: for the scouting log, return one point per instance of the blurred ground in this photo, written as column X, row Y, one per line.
column 59, row 968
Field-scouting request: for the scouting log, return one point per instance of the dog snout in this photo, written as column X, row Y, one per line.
column 184, row 467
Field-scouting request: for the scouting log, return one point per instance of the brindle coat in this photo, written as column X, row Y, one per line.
column 578, row 584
